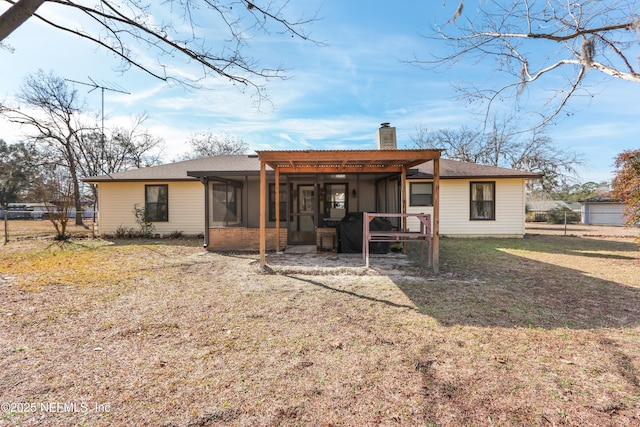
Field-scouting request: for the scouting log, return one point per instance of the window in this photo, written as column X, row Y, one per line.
column 335, row 201
column 226, row 202
column 156, row 202
column 283, row 202
column 483, row 201
column 421, row 194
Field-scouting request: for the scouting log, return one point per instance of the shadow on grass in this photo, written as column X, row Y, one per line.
column 349, row 293
column 486, row 282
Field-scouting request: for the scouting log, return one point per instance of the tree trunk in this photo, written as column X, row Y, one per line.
column 76, row 192
column 16, row 15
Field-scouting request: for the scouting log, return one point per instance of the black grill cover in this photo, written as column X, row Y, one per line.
column 350, row 234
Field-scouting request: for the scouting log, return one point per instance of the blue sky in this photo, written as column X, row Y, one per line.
column 336, row 95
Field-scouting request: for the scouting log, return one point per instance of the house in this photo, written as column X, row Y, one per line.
column 278, row 198
column 475, row 200
column 38, row 211
column 603, row 210
column 554, row 211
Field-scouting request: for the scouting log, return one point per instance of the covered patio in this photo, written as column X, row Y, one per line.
column 318, row 162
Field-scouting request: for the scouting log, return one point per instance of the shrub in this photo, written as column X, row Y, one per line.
column 143, row 220
column 557, row 216
column 123, row 232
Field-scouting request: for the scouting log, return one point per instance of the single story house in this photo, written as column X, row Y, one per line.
column 603, row 210
column 543, row 210
column 272, row 199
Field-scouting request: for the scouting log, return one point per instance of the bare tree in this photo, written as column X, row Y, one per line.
column 56, row 190
column 212, row 34
column 537, row 42
column 52, row 113
column 122, row 149
column 207, row 143
column 119, row 150
column 501, row 146
column 536, row 152
column 464, row 144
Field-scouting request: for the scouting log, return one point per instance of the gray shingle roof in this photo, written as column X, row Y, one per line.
column 602, row 198
column 547, row 205
column 452, row 169
column 234, row 164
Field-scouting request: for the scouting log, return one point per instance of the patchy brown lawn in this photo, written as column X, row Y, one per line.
column 20, row 229
column 536, row 331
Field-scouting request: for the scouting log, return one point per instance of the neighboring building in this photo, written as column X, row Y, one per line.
column 38, row 211
column 603, row 210
column 551, row 210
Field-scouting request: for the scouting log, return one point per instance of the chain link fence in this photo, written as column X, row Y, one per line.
column 19, row 224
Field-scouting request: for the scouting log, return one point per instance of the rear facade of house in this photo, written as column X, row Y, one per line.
column 475, row 200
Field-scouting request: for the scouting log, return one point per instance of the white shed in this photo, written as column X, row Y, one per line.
column 602, row 210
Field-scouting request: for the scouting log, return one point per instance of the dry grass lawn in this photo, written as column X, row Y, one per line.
column 537, row 331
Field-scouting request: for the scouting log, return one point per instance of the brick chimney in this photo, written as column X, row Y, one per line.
column 387, row 137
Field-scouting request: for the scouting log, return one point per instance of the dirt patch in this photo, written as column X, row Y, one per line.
column 536, row 331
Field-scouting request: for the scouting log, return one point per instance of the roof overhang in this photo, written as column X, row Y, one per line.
column 205, row 174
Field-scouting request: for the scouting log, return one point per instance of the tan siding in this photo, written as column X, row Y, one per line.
column 454, row 209
column 118, row 199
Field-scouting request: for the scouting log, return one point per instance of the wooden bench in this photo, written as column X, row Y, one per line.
column 424, row 235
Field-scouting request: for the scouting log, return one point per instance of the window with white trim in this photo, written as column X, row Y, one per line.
column 421, row 194
column 483, row 201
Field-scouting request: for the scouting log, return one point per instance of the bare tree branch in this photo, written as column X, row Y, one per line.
column 208, row 143
column 504, row 146
column 17, row 15
column 534, row 41
column 175, row 29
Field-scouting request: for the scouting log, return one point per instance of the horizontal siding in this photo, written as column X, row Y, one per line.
column 116, row 202
column 455, row 208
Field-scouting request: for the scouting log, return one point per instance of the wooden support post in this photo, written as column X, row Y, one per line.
column 263, row 213
column 436, row 216
column 277, row 201
column 365, row 237
column 403, row 180
column 207, row 213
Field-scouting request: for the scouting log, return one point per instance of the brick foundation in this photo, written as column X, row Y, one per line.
column 326, row 239
column 244, row 239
